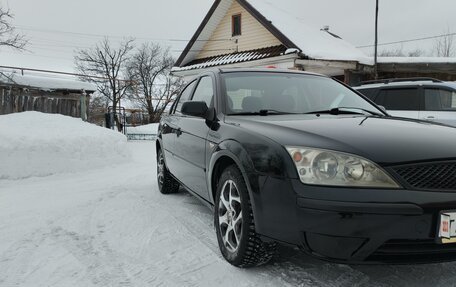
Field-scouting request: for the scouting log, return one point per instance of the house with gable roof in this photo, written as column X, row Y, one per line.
column 257, row 33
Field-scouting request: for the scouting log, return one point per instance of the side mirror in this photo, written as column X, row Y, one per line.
column 195, row 109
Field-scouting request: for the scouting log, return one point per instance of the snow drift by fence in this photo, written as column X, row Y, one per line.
column 145, row 132
column 38, row 144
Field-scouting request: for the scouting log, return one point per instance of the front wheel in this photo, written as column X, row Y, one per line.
column 166, row 183
column 239, row 243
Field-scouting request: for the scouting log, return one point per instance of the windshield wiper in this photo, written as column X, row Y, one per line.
column 261, row 113
column 345, row 111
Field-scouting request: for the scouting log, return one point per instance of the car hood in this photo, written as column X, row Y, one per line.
column 384, row 140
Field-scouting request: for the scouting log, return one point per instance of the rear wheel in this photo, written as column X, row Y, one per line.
column 166, row 183
column 233, row 217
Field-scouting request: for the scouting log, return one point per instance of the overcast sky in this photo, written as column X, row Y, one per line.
column 55, row 28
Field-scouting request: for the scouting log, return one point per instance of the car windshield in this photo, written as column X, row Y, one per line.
column 287, row 93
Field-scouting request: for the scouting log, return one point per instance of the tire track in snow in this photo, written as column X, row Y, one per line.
column 15, row 261
column 97, row 260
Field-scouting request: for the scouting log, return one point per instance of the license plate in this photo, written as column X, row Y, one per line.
column 447, row 228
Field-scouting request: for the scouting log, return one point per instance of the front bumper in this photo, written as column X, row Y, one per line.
column 354, row 225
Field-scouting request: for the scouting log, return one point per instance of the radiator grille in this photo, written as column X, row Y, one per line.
column 436, row 176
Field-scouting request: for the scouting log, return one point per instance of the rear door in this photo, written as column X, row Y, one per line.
column 439, row 105
column 190, row 144
column 401, row 102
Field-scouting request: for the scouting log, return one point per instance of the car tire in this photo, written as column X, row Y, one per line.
column 166, row 182
column 239, row 244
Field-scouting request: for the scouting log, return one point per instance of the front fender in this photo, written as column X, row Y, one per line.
column 233, row 150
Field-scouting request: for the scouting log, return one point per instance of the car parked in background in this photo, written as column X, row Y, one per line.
column 300, row 158
column 417, row 98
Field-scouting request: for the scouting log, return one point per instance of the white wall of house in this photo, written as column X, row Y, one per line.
column 254, row 35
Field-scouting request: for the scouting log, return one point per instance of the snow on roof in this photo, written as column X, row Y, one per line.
column 313, row 42
column 46, row 83
column 416, row 60
column 233, row 58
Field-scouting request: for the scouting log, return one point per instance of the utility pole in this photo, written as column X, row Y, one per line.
column 376, row 40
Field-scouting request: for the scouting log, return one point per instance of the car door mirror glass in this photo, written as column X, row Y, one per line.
column 195, row 109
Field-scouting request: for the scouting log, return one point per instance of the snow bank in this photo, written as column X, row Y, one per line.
column 38, row 144
column 441, row 60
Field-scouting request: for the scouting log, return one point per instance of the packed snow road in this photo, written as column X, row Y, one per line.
column 111, row 227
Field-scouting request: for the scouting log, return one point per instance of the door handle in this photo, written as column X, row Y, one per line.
column 430, row 117
column 178, row 131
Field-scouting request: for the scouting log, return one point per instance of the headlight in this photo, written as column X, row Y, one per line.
column 324, row 167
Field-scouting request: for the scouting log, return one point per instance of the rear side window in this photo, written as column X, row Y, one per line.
column 369, row 93
column 400, row 99
column 185, row 96
column 439, row 100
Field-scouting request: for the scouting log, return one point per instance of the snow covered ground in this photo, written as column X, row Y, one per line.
column 109, row 226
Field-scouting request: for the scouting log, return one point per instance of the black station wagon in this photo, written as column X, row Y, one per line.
column 298, row 158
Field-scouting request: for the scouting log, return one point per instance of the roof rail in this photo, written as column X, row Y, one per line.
column 387, row 81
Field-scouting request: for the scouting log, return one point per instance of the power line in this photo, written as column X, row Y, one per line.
column 26, row 28
column 59, row 73
column 37, row 55
column 410, row 40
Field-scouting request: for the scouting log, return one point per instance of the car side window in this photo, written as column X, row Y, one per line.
column 369, row 93
column 184, row 97
column 205, row 91
column 439, row 100
column 400, row 99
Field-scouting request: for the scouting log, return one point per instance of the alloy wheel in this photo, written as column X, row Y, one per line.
column 230, row 216
column 160, row 169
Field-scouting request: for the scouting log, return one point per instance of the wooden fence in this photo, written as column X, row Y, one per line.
column 13, row 100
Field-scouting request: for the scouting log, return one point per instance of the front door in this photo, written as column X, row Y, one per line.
column 190, row 144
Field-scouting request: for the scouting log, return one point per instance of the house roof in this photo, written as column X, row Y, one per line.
column 233, row 58
column 287, row 26
column 402, row 60
column 46, row 83
column 313, row 42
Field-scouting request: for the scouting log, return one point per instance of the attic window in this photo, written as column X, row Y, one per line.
column 236, row 25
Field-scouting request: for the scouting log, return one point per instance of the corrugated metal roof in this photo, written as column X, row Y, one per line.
column 232, row 58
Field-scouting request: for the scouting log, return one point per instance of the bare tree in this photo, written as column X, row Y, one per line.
column 444, row 46
column 149, row 68
column 416, row 53
column 105, row 66
column 97, row 109
column 398, row 52
column 8, row 35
